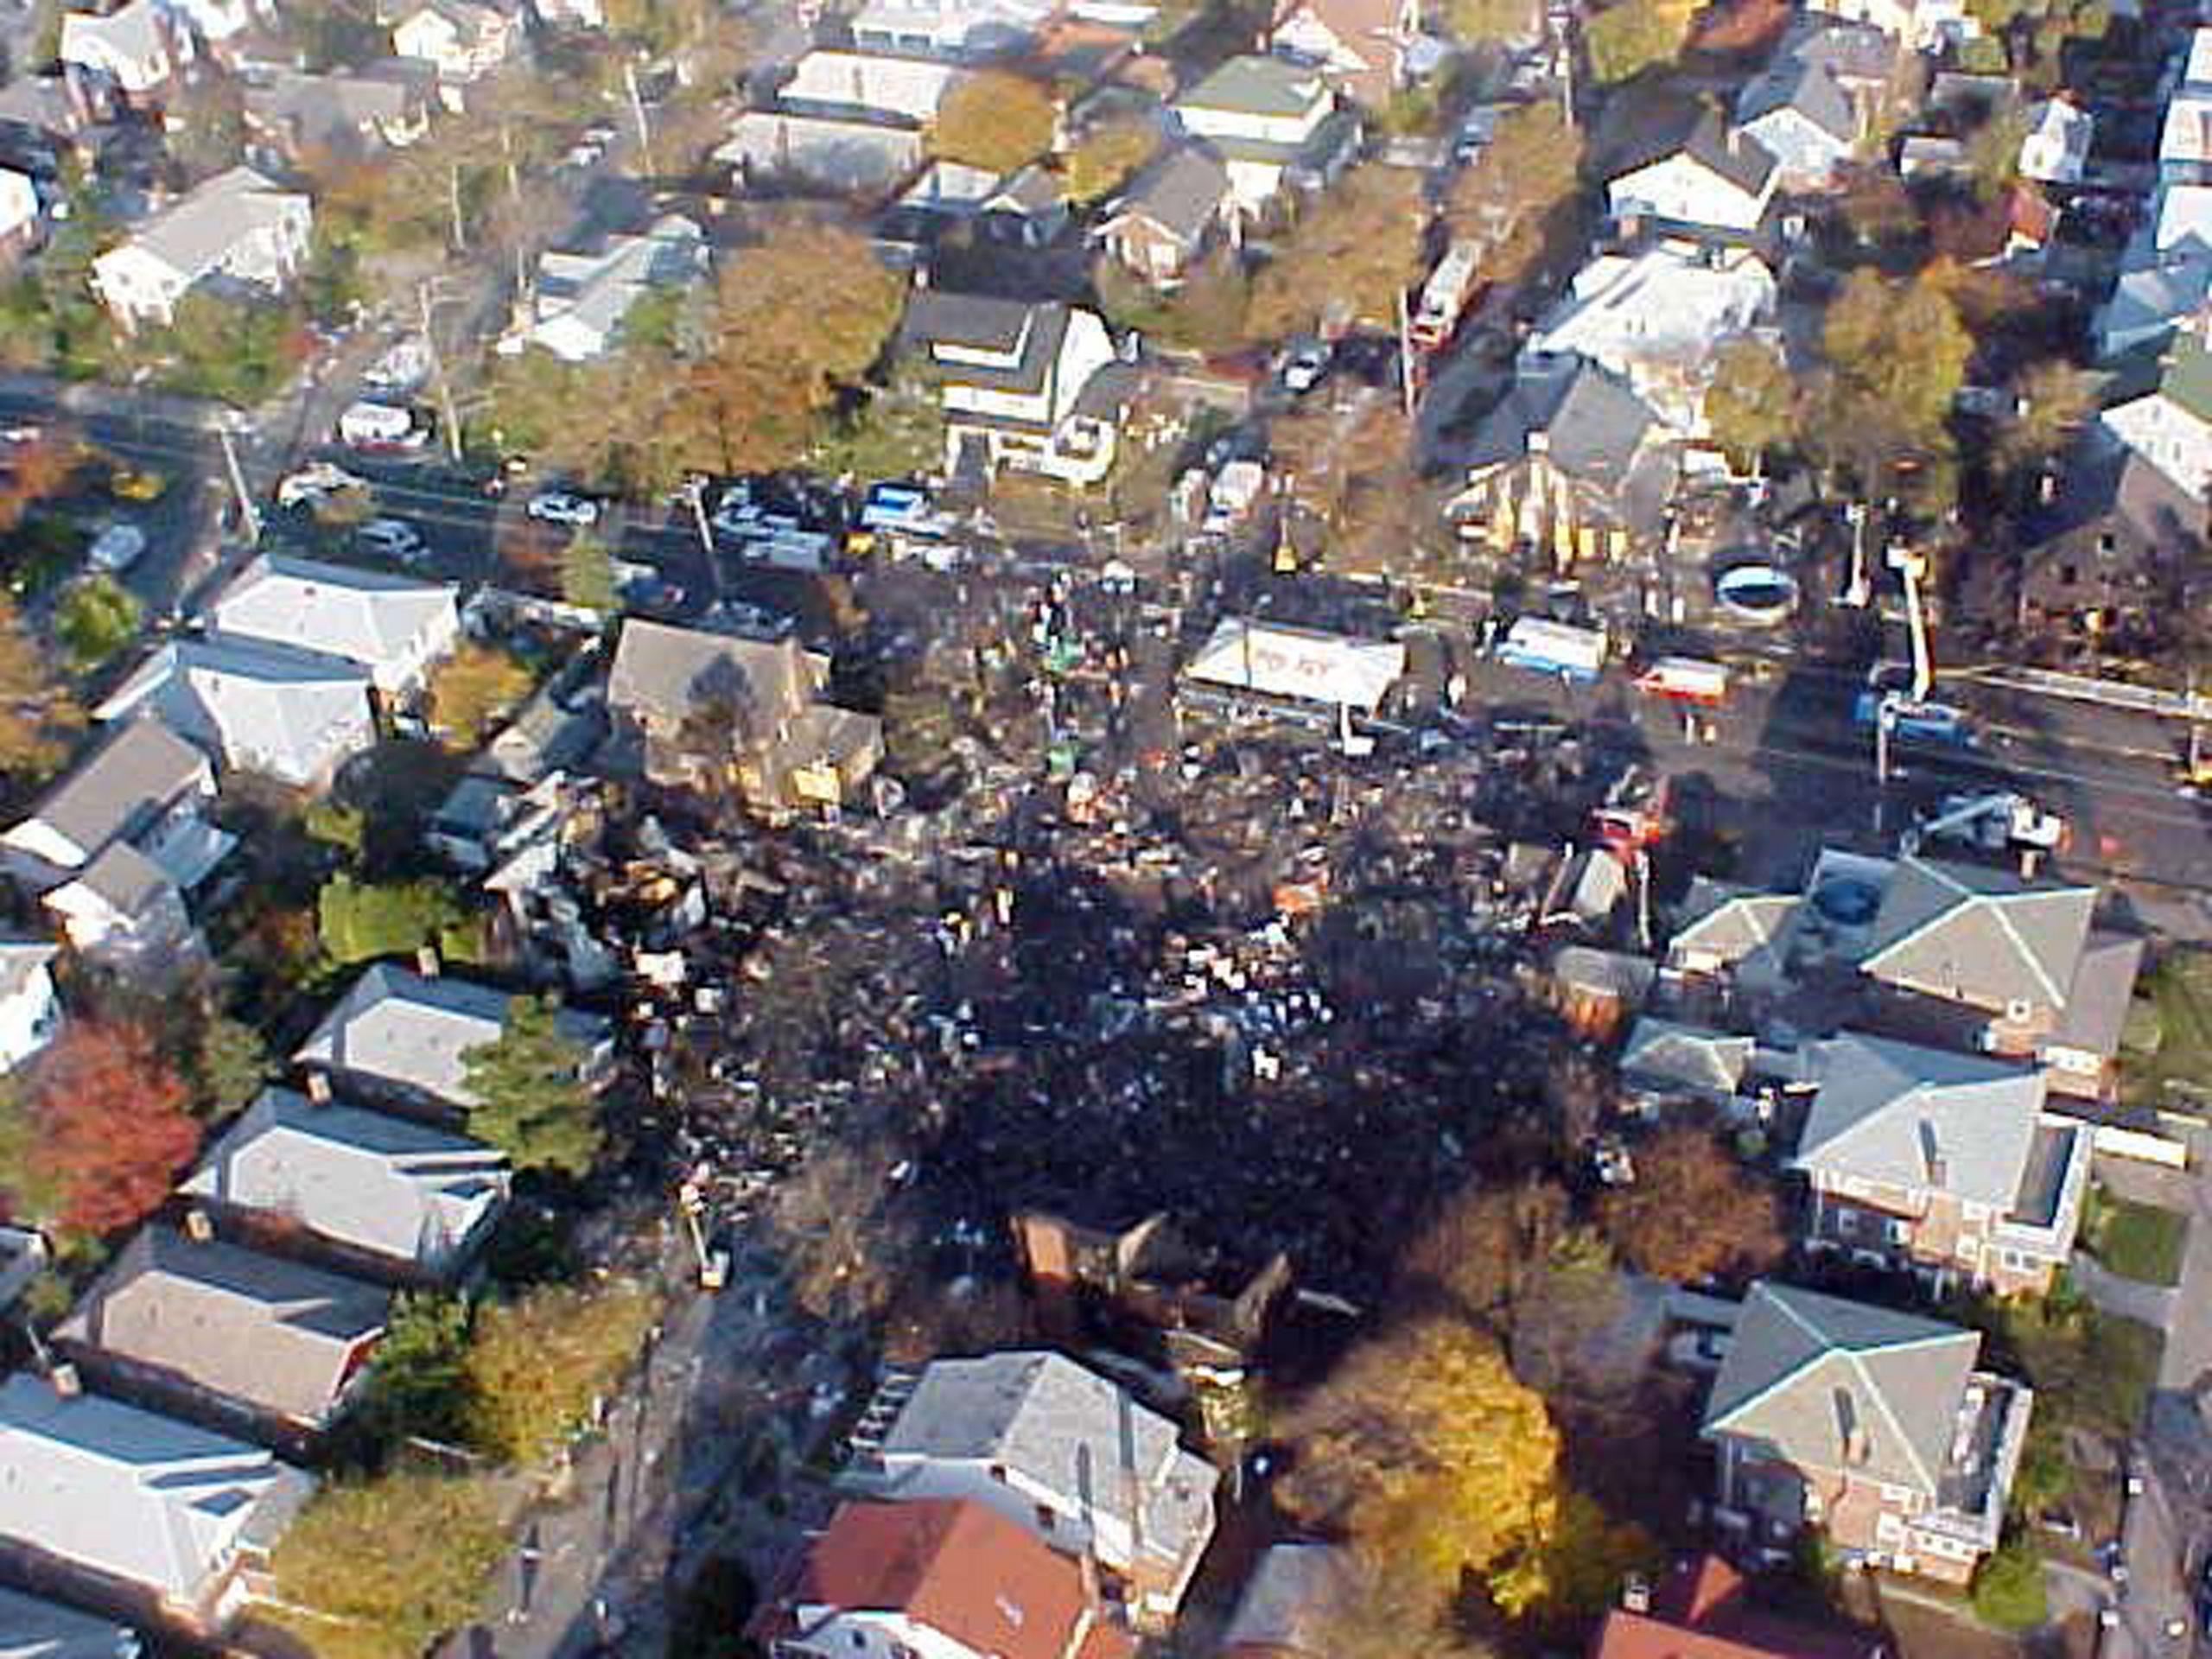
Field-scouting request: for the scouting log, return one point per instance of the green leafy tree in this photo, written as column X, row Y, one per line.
column 529, row 1097
column 1352, row 259
column 418, row 1386
column 1751, row 405
column 1105, row 157
column 96, row 618
column 361, row 921
column 993, row 119
column 1898, row 354
column 229, row 1064
column 476, row 687
column 587, row 574
column 535, row 1365
column 381, row 1569
column 1209, row 312
column 2051, row 401
column 238, row 351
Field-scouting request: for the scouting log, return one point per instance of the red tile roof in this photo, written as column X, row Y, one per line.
column 960, row 1568
column 1699, row 1612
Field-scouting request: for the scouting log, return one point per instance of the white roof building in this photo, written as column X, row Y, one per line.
column 2057, row 147
column 1656, row 318
column 239, row 225
column 1298, row 664
column 288, row 715
column 376, row 1186
column 127, row 1497
column 393, row 626
column 910, row 88
column 580, row 299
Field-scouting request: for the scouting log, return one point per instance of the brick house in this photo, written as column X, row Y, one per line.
column 1945, row 1164
column 1876, row 1427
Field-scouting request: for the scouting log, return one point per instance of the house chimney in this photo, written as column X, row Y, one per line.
column 1855, row 1448
column 67, row 1383
column 1636, row 1593
column 198, row 1228
column 318, row 1088
column 426, row 961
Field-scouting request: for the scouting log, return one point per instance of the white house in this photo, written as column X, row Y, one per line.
column 1058, row 1450
column 2185, row 138
column 1714, row 177
column 464, row 39
column 119, row 1502
column 953, row 30
column 2170, row 427
column 1360, row 44
column 1273, row 123
column 1801, row 114
column 130, row 56
column 1924, row 25
column 572, row 14
column 394, row 627
column 31, row 1009
column 239, row 227
column 2056, row 147
column 376, row 1193
column 580, row 300
column 1658, row 318
column 907, row 89
column 289, row 715
column 19, row 212
column 1031, row 388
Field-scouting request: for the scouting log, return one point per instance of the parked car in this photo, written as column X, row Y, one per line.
column 368, row 425
column 390, row 538
column 315, row 482
column 564, row 507
column 1303, row 369
column 117, row 548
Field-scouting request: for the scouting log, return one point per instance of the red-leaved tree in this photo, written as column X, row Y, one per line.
column 112, row 1125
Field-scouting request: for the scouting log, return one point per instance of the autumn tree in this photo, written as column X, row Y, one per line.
column 1897, row 355
column 1349, row 260
column 37, row 717
column 535, row 1365
column 472, row 690
column 230, row 1063
column 359, row 921
column 38, row 471
column 1426, row 1449
column 2052, row 399
column 1482, row 1255
column 113, row 1122
column 528, row 1093
column 1475, row 22
column 1629, row 37
column 993, row 119
column 1694, row 1212
column 1751, row 405
column 381, row 1569
column 1104, row 158
column 1505, row 199
column 798, row 317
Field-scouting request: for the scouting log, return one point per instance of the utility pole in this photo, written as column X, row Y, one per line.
column 248, row 513
column 1406, row 352
column 453, row 201
column 452, row 416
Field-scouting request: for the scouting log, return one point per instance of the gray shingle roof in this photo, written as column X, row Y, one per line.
column 1182, row 191
column 31, row 1628
column 1921, row 1118
column 1807, row 1376
column 194, row 234
column 120, row 785
column 1593, row 425
column 1661, row 1053
column 1983, row 936
column 1253, row 85
column 1732, row 921
column 369, row 617
column 1064, row 1428
column 1808, row 88
column 377, row 1183
column 394, row 1025
column 665, row 672
column 282, row 1337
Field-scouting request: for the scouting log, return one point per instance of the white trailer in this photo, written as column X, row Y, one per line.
column 1554, row 648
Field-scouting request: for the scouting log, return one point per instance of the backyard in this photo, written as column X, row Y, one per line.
column 2136, row 1241
column 2166, row 1050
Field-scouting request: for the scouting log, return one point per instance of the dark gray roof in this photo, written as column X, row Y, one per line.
column 1922, row 1119
column 1811, row 1379
column 665, row 672
column 1661, row 1054
column 1966, row 933
column 122, row 784
column 1808, row 88
column 1731, row 922
column 1853, row 51
column 1687, row 129
column 1591, row 424
column 978, row 323
column 2104, row 985
column 1181, row 192
column 282, row 1337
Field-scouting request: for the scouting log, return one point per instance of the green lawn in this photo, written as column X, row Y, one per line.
column 2167, row 1051
column 2090, row 1369
column 2136, row 1241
